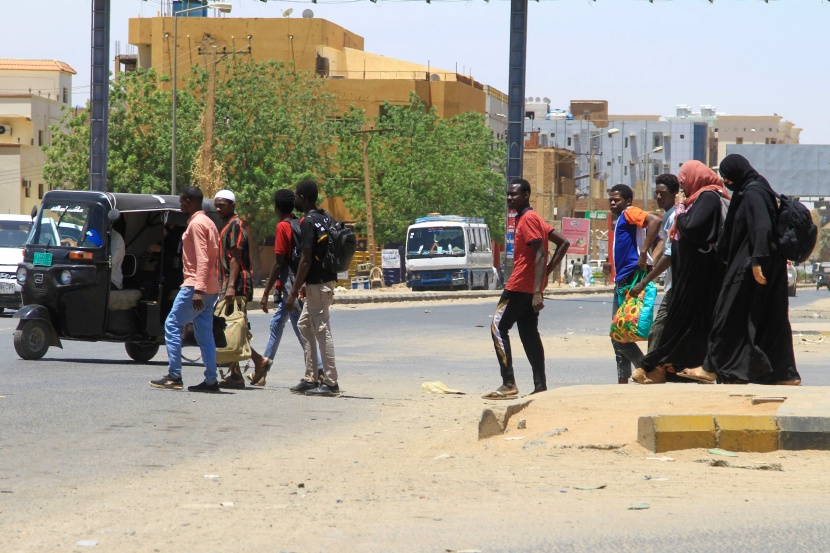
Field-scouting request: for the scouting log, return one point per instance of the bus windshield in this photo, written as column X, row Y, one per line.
column 436, row 241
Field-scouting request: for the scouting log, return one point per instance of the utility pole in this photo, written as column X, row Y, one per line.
column 99, row 105
column 367, row 191
column 210, row 108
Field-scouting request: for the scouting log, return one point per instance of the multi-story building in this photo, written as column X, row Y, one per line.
column 725, row 129
column 357, row 78
column 630, row 149
column 33, row 94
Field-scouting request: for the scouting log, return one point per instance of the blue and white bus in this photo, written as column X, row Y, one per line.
column 450, row 252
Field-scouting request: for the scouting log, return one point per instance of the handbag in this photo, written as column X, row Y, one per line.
column 237, row 333
column 634, row 317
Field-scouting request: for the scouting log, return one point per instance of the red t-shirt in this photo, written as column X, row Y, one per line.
column 282, row 243
column 530, row 228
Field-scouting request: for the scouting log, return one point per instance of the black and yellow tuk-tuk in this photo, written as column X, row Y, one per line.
column 66, row 273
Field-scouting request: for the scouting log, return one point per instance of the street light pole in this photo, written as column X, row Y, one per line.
column 646, row 184
column 611, row 132
column 224, row 7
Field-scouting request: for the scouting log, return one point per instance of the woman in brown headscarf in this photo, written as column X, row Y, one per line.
column 696, row 274
column 751, row 339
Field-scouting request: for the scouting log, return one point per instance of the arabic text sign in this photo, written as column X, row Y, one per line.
column 577, row 232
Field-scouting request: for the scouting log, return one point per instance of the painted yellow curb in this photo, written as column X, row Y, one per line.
column 757, row 433
column 659, row 433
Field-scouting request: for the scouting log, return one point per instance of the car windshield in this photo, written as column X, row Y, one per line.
column 69, row 224
column 437, row 241
column 13, row 234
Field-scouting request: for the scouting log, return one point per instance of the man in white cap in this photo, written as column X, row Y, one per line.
column 235, row 277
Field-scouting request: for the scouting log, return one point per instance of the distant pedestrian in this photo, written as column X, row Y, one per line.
column 197, row 295
column 606, row 271
column 317, row 286
column 281, row 279
column 576, row 271
column 236, row 276
column 522, row 299
column 634, row 233
column 587, row 272
column 751, row 339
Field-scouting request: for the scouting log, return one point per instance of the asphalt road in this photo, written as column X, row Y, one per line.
column 87, row 411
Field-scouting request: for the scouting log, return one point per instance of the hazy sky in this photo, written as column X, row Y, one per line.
column 745, row 57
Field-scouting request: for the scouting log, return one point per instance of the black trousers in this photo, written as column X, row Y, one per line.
column 517, row 308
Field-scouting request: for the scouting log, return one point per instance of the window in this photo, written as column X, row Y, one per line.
column 679, row 165
column 682, row 136
column 65, row 95
column 569, row 141
column 655, row 140
column 608, row 163
column 552, row 134
column 625, row 169
column 40, row 191
column 40, row 138
column 626, row 143
column 739, row 140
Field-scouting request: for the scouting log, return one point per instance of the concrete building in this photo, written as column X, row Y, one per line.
column 728, row 129
column 801, row 170
column 33, row 94
column 357, row 78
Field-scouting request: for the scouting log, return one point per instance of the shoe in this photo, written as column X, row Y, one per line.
column 259, row 383
column 167, row 381
column 303, row 387
column 539, row 390
column 260, row 373
column 233, row 382
column 324, row 390
column 505, row 391
column 204, row 387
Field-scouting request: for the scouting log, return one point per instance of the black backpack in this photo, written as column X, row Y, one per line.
column 296, row 244
column 797, row 233
column 341, row 243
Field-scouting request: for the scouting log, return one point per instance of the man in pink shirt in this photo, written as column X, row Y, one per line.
column 197, row 296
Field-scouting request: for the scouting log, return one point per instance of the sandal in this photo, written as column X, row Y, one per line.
column 656, row 375
column 260, row 372
column 503, row 392
column 699, row 375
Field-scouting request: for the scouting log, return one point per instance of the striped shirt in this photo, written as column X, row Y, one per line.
column 233, row 236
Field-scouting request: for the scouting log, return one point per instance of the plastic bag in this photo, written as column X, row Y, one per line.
column 634, row 317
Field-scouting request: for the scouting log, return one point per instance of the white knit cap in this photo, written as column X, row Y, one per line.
column 226, row 195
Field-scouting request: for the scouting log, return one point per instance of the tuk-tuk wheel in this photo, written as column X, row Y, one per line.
column 32, row 341
column 141, row 352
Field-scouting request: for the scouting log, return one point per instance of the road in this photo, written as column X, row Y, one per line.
column 86, row 413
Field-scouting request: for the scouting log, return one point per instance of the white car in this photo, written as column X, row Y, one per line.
column 14, row 230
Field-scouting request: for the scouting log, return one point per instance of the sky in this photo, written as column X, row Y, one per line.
column 745, row 57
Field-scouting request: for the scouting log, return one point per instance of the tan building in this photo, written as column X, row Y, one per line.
column 33, row 94
column 550, row 172
column 357, row 78
column 753, row 129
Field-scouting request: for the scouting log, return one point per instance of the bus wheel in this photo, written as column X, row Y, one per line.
column 141, row 352
column 31, row 341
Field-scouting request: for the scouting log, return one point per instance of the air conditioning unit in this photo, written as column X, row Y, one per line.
column 5, row 129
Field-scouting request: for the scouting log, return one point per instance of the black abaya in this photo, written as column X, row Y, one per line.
column 697, row 276
column 751, row 337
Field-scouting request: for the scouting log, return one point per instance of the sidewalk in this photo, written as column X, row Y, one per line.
column 400, row 293
column 669, row 417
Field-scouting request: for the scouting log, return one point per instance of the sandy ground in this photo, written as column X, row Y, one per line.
column 416, row 478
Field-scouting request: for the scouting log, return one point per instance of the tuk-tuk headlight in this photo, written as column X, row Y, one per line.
column 66, row 277
column 21, row 275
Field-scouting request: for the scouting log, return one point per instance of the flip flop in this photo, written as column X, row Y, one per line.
column 496, row 394
column 697, row 377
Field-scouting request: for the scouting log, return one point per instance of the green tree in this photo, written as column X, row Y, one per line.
column 418, row 165
column 273, row 126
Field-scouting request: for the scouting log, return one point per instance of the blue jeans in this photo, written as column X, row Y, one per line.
column 281, row 316
column 179, row 317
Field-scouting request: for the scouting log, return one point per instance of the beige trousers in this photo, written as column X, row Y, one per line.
column 315, row 331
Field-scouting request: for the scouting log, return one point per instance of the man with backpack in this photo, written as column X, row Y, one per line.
column 316, row 282
column 287, row 251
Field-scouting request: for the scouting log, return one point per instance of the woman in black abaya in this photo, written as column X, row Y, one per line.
column 697, row 275
column 751, row 339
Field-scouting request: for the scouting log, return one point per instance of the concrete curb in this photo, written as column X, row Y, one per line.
column 494, row 419
column 747, row 433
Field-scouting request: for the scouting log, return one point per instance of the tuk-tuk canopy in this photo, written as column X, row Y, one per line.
column 125, row 203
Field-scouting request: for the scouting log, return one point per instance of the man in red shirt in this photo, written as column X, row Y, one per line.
column 522, row 299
